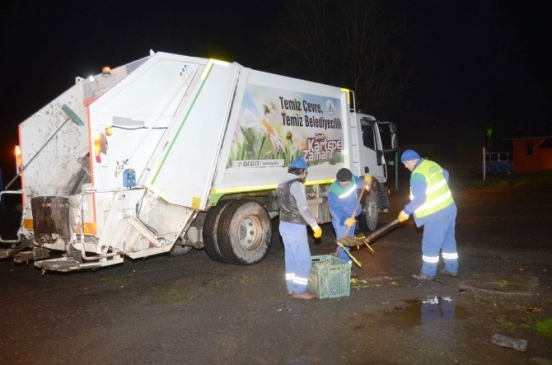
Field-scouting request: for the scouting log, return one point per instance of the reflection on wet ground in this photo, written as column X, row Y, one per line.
column 431, row 308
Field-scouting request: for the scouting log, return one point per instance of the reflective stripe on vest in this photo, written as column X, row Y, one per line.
column 343, row 192
column 350, row 189
column 438, row 195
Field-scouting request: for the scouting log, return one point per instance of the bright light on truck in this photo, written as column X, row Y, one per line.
column 18, row 159
column 100, row 146
column 210, row 64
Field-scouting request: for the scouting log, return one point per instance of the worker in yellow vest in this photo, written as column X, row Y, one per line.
column 434, row 209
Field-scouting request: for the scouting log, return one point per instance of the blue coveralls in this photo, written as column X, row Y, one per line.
column 439, row 228
column 342, row 201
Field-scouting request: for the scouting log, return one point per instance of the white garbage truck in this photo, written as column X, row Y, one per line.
column 170, row 152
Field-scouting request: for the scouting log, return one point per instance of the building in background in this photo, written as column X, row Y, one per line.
column 532, row 153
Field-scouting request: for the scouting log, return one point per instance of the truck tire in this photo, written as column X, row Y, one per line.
column 371, row 206
column 245, row 232
column 210, row 228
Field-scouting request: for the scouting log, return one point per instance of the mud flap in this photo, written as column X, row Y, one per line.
column 50, row 219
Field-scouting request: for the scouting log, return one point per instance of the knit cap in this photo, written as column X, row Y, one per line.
column 409, row 155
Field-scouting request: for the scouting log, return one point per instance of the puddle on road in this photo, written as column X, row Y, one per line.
column 432, row 308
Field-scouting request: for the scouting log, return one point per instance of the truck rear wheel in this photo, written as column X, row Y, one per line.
column 210, row 228
column 371, row 206
column 244, row 233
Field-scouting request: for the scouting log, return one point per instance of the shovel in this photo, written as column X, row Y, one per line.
column 357, row 241
column 380, row 231
column 346, row 240
column 354, row 241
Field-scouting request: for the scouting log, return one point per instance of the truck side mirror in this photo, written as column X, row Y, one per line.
column 394, row 141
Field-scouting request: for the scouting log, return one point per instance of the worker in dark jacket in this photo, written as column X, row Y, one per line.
column 434, row 209
column 343, row 196
column 295, row 215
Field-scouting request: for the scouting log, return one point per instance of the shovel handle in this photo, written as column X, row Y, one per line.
column 378, row 232
column 354, row 210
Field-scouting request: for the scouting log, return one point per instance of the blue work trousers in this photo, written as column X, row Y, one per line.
column 439, row 236
column 297, row 256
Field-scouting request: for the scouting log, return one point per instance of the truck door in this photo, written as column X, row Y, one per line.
column 387, row 132
column 371, row 160
column 378, row 138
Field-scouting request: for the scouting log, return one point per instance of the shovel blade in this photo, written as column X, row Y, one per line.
column 351, row 241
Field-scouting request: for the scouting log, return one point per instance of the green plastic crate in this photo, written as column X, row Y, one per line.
column 330, row 277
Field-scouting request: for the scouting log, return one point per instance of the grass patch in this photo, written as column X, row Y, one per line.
column 507, row 180
column 544, row 327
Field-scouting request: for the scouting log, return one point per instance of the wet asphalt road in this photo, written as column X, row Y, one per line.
column 191, row 310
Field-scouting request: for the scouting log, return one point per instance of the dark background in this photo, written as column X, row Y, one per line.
column 480, row 61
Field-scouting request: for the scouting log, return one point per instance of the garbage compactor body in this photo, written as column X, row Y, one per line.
column 170, row 152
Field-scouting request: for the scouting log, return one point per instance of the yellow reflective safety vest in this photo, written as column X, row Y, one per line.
column 438, row 195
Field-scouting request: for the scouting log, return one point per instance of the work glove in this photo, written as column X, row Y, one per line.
column 316, row 230
column 367, row 181
column 403, row 216
column 350, row 221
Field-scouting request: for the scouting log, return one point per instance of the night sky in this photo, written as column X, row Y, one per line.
column 481, row 61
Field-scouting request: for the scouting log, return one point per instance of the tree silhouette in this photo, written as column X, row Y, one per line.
column 347, row 43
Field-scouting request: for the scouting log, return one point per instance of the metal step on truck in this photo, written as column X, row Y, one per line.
column 170, row 152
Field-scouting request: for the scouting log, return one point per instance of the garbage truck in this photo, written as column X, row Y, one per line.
column 169, row 153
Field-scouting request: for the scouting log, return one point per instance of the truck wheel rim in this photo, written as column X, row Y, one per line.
column 249, row 233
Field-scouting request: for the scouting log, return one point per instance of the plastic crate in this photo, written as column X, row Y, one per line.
column 330, row 277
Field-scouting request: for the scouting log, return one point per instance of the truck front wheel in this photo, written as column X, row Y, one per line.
column 244, row 232
column 371, row 206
